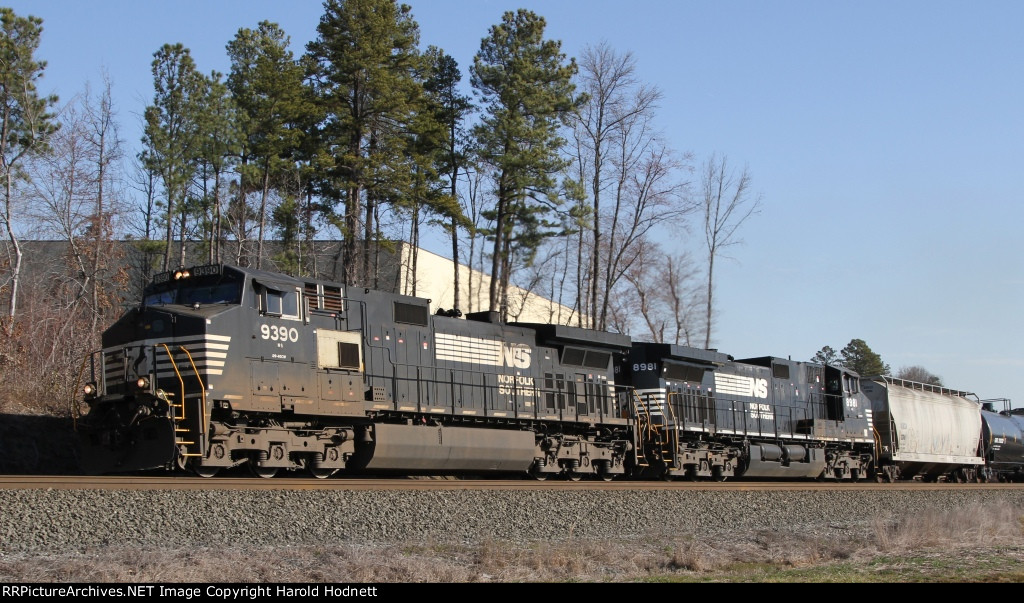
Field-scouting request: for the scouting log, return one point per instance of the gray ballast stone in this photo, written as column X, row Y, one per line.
column 74, row 520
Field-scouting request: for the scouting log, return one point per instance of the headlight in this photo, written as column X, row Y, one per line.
column 180, row 274
column 142, row 383
column 89, row 389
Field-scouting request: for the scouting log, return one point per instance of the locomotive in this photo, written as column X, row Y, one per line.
column 223, row 366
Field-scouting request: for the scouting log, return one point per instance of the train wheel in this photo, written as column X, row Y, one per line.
column 604, row 472
column 854, row 475
column 322, row 472
column 717, row 475
column 205, row 471
column 265, row 472
column 573, row 476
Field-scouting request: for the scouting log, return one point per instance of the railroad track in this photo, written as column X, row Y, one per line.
column 77, row 482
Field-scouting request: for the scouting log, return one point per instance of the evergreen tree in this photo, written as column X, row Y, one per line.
column 525, row 83
column 365, row 67
column 858, row 356
column 826, row 355
column 451, row 110
column 218, row 148
column 26, row 124
column 266, row 83
column 171, row 131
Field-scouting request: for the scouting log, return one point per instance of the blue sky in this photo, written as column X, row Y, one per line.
column 885, row 138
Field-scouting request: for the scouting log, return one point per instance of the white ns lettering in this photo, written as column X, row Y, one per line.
column 516, row 355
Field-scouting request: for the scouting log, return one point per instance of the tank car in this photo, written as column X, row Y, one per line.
column 222, row 366
column 703, row 414
column 1003, row 440
column 926, row 432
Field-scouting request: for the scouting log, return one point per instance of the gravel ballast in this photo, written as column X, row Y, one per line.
column 68, row 519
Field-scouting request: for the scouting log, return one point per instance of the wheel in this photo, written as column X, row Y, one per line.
column 854, row 475
column 265, row 472
column 322, row 472
column 536, row 472
column 204, row 471
column 604, row 472
column 717, row 474
column 573, row 476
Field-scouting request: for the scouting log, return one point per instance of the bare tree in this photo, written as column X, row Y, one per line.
column 727, row 205
column 105, row 144
column 667, row 294
column 630, row 176
column 919, row 374
column 76, row 200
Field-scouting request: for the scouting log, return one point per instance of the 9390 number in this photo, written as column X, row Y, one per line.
column 279, row 333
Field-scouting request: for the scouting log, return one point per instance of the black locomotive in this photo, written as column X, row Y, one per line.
column 222, row 366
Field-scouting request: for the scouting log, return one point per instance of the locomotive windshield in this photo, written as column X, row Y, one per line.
column 202, row 285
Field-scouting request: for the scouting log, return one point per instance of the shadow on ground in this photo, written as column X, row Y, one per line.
column 37, row 445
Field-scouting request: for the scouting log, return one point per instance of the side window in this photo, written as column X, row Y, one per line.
column 285, row 304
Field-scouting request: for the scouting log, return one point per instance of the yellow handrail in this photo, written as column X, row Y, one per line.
column 174, row 365
column 202, row 396
column 202, row 391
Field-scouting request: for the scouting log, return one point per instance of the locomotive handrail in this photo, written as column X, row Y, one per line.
column 181, row 404
column 174, row 365
column 643, row 423
column 202, row 393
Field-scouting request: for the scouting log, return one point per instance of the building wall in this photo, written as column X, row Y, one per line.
column 435, row 281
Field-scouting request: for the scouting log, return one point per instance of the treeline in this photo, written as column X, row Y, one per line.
column 549, row 171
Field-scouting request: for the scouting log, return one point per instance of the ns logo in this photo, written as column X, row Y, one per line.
column 516, row 355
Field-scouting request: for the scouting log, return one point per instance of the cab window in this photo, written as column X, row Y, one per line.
column 275, row 302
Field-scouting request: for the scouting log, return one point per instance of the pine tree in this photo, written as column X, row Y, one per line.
column 365, row 67
column 858, row 356
column 171, row 131
column 26, row 124
column 266, row 83
column 525, row 83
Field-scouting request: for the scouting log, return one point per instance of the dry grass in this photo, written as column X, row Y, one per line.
column 929, row 546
